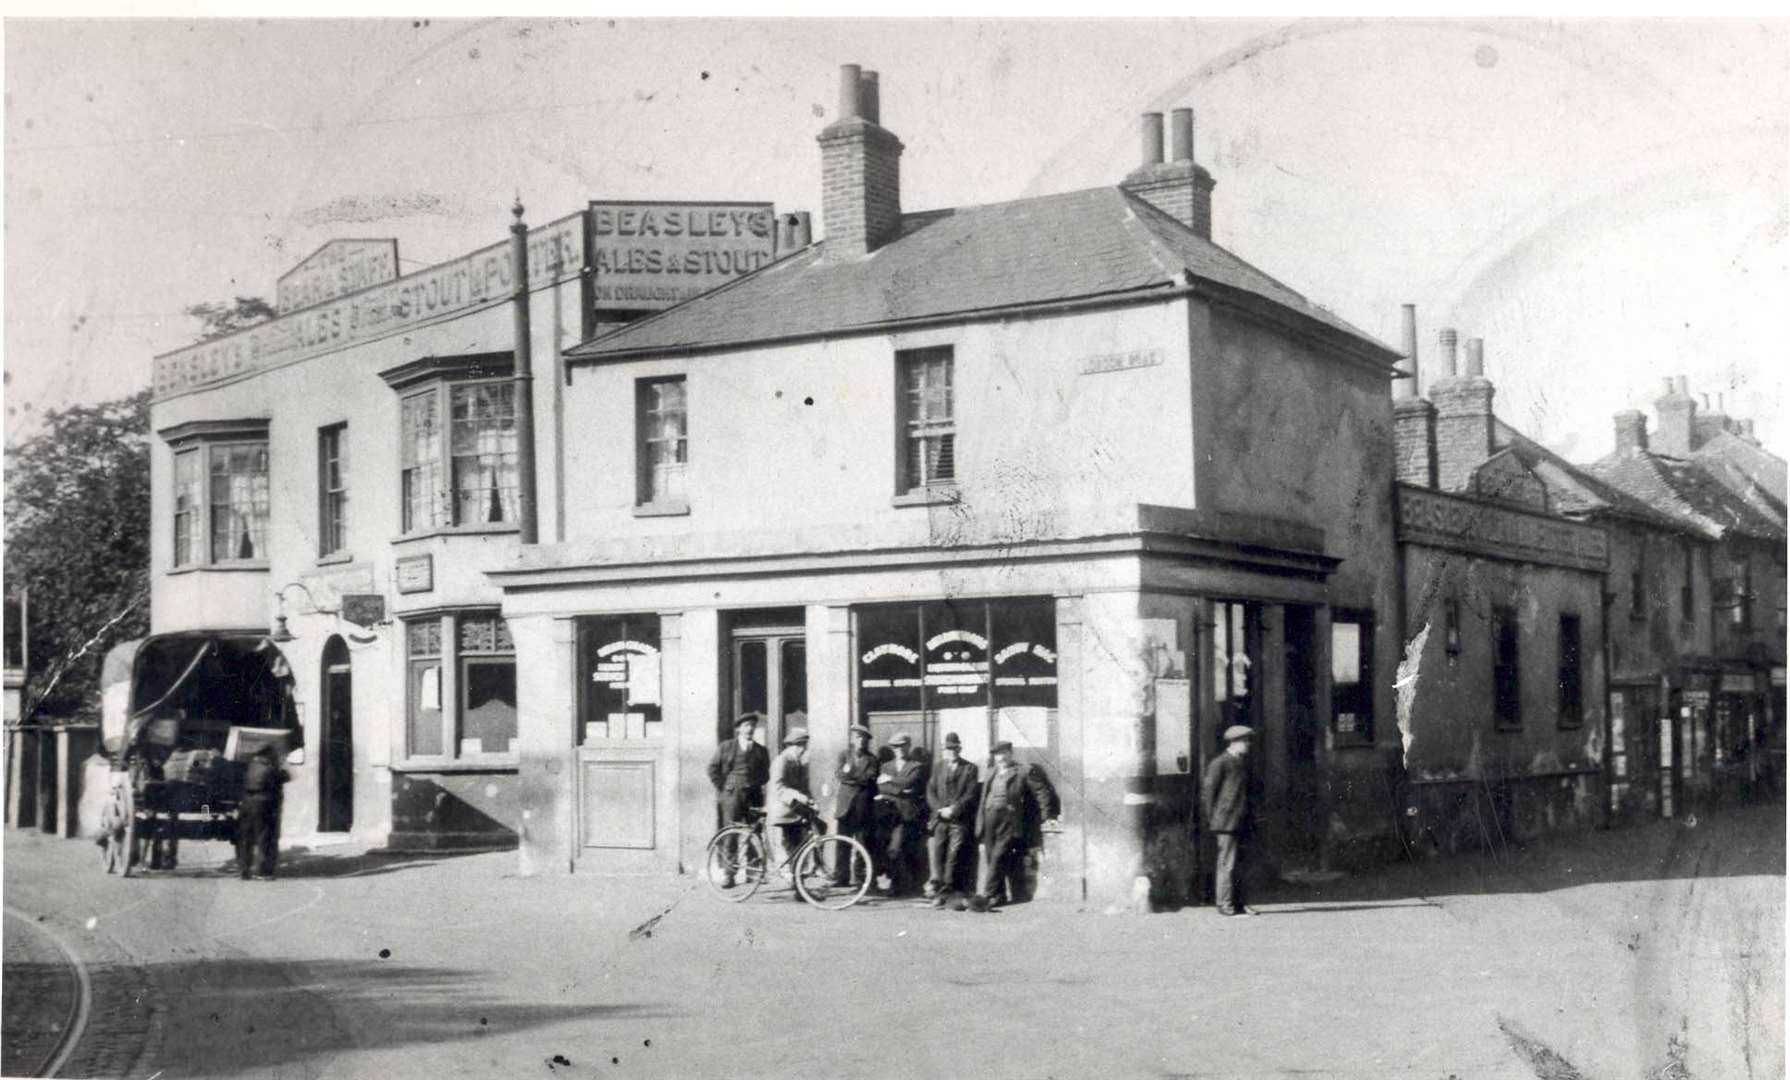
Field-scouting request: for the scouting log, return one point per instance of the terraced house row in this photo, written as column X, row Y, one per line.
column 1059, row 470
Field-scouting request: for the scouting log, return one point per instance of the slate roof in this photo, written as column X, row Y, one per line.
column 1574, row 490
column 1687, row 491
column 1097, row 243
column 1743, row 463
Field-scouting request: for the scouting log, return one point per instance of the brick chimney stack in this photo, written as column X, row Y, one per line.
column 1677, row 418
column 1631, row 432
column 1463, row 416
column 1413, row 417
column 860, row 165
column 1179, row 187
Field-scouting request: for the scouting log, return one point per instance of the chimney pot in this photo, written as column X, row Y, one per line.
column 1407, row 388
column 1152, row 132
column 851, row 81
column 1181, row 135
column 1671, row 384
column 870, row 97
column 1475, row 358
column 801, row 229
column 1447, row 339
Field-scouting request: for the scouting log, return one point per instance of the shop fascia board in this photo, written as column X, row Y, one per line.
column 1240, row 540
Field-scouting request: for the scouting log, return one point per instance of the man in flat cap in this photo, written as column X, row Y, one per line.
column 900, row 810
column 855, row 776
column 1014, row 799
column 739, row 771
column 952, row 795
column 1224, row 796
column 791, row 805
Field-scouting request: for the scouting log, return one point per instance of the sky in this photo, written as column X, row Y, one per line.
column 1606, row 203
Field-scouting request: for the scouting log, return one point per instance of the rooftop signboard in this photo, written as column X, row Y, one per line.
column 336, row 269
column 463, row 285
column 650, row 255
column 1480, row 527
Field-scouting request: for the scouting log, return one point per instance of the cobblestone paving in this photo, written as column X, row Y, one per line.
column 37, row 997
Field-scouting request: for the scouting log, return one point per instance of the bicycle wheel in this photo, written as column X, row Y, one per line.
column 833, row 872
column 735, row 864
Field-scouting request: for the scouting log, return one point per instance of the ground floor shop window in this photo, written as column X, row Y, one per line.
column 1352, row 676
column 619, row 665
column 984, row 670
column 1236, row 634
column 1506, row 681
column 460, row 686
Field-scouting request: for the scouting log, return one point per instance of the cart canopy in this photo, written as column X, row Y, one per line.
column 187, row 690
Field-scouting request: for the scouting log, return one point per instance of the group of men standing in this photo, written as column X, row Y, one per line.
column 889, row 803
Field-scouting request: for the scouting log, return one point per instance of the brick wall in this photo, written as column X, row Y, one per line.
column 1414, row 441
column 1180, row 189
column 1463, row 429
column 860, row 187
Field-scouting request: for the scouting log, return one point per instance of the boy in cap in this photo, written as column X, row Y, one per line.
column 856, row 776
column 952, row 795
column 1224, row 797
column 900, row 797
column 791, row 805
column 1001, row 825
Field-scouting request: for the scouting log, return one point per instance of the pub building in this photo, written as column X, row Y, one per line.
column 329, row 487
column 1059, row 471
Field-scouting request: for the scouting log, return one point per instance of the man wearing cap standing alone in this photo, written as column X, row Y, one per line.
column 1224, row 796
column 791, row 806
column 900, row 810
column 739, row 771
column 1001, row 825
column 856, row 776
column 951, row 794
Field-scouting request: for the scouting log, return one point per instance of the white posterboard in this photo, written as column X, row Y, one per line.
column 971, row 726
column 1174, row 731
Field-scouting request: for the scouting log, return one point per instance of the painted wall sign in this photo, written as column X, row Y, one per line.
column 651, row 255
column 1696, row 699
column 555, row 254
column 1739, row 684
column 415, row 573
column 336, row 269
column 1427, row 517
column 1120, row 361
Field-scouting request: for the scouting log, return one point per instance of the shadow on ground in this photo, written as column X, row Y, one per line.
column 1732, row 842
column 230, row 1015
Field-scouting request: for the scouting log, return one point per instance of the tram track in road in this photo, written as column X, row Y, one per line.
column 80, row 1008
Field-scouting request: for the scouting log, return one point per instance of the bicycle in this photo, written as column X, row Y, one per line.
column 738, row 862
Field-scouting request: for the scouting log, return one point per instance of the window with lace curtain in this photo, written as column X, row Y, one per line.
column 222, row 495
column 470, row 427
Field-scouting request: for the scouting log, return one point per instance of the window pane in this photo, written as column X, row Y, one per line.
column 425, row 707
column 186, row 507
column 1345, row 653
column 483, row 440
column 1025, row 652
column 239, row 502
column 621, row 677
column 485, row 632
column 1505, row 676
column 888, row 661
column 1351, row 674
column 332, row 490
column 488, row 713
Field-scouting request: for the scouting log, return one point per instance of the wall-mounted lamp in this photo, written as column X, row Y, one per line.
column 281, row 632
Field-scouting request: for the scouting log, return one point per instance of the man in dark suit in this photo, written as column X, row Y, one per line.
column 952, row 794
column 258, row 815
column 739, row 770
column 1014, row 798
column 900, row 810
column 856, row 776
column 1224, row 797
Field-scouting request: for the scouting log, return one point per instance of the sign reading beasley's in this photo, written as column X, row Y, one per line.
column 650, row 255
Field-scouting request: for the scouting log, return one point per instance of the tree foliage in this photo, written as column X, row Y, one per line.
column 216, row 320
column 77, row 536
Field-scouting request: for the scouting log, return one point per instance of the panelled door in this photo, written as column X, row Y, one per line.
column 770, row 677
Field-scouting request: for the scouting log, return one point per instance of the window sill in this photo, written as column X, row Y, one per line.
column 493, row 763
column 499, row 529
column 1354, row 742
column 662, row 509
column 928, row 496
column 246, row 566
column 335, row 558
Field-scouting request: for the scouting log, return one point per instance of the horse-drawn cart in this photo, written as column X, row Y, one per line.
column 182, row 713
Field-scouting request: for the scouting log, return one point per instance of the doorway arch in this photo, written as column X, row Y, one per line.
column 335, row 760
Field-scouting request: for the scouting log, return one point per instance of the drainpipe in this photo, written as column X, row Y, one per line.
column 524, row 379
column 1603, row 630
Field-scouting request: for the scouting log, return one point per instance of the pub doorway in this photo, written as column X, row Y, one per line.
column 770, row 673
column 335, row 773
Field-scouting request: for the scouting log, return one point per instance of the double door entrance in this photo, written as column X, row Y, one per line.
column 770, row 674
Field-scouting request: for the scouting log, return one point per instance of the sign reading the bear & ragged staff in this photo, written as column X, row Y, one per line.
column 336, row 269
column 651, row 255
column 555, row 254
